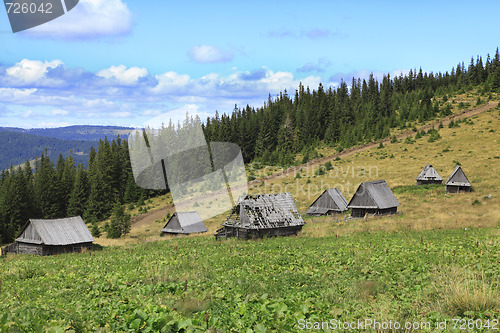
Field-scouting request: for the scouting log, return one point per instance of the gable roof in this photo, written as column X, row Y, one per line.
column 66, row 231
column 185, row 223
column 458, row 178
column 330, row 199
column 375, row 194
column 429, row 173
column 265, row 211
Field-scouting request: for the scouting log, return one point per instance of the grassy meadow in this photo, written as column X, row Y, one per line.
column 438, row 259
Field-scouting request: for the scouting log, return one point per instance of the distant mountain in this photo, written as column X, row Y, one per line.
column 18, row 145
column 77, row 132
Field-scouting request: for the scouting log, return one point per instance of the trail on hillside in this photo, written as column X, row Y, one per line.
column 160, row 213
column 353, row 150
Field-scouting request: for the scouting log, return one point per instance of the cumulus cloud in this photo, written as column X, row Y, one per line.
column 122, row 75
column 209, row 54
column 119, row 94
column 31, row 72
column 90, row 19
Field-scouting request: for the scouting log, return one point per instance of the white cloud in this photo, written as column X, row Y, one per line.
column 27, row 114
column 14, row 94
column 120, row 114
column 90, row 19
column 122, row 75
column 50, row 124
column 209, row 54
column 28, row 72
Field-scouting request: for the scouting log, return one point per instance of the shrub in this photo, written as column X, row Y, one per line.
column 394, row 139
column 328, row 165
column 476, row 202
column 381, row 145
column 434, row 136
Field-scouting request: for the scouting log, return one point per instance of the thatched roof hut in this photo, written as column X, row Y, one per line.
column 329, row 202
column 458, row 182
column 262, row 215
column 375, row 198
column 429, row 175
column 184, row 223
column 45, row 237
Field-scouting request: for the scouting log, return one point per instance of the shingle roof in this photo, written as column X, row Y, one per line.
column 189, row 222
column 334, row 194
column 376, row 194
column 458, row 178
column 429, row 173
column 264, row 211
column 66, row 231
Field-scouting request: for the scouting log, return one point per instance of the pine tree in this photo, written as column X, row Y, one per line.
column 79, row 193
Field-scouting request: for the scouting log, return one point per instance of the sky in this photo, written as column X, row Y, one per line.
column 124, row 62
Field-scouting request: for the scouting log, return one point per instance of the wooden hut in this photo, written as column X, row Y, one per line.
column 374, row 198
column 46, row 237
column 262, row 215
column 429, row 175
column 184, row 223
column 331, row 201
column 458, row 182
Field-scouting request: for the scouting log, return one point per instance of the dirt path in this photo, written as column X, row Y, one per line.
column 160, row 213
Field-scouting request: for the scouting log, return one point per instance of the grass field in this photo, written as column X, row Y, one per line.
column 437, row 259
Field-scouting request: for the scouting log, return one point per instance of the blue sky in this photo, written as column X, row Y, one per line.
column 122, row 62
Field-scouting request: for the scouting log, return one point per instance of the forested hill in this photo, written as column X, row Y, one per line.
column 77, row 132
column 346, row 116
column 16, row 148
column 18, row 145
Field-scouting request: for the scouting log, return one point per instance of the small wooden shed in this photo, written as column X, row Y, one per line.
column 331, row 201
column 46, row 237
column 458, row 182
column 184, row 223
column 256, row 216
column 374, row 198
column 429, row 175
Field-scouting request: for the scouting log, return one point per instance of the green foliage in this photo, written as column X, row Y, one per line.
column 119, row 224
column 409, row 140
column 180, row 285
column 96, row 231
column 394, row 139
column 434, row 136
column 321, row 171
column 381, row 145
column 456, row 162
column 328, row 166
column 476, row 202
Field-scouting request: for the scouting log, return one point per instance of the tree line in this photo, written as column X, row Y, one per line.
column 346, row 115
column 275, row 133
column 64, row 189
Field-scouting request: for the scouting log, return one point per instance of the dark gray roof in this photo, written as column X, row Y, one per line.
column 66, row 231
column 331, row 199
column 429, row 173
column 265, row 211
column 185, row 223
column 458, row 178
column 374, row 194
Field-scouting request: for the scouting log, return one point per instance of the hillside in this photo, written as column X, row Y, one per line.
column 473, row 142
column 18, row 145
column 76, row 132
column 16, row 148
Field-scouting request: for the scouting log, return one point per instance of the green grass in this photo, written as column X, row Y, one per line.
column 262, row 285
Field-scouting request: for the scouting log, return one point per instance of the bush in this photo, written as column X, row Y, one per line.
column 381, row 145
column 394, row 139
column 328, row 165
column 434, row 136
column 120, row 222
column 320, row 171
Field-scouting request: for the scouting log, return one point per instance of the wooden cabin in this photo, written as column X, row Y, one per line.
column 330, row 202
column 373, row 198
column 256, row 216
column 458, row 182
column 46, row 237
column 184, row 223
column 429, row 175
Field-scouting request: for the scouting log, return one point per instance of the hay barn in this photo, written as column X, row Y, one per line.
column 184, row 223
column 458, row 182
column 374, row 198
column 429, row 175
column 330, row 202
column 262, row 215
column 46, row 237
